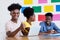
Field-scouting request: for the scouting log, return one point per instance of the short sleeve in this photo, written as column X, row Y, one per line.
column 7, row 27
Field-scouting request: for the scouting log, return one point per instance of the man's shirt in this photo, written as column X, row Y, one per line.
column 45, row 28
column 11, row 26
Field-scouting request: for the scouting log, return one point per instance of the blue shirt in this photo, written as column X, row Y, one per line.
column 45, row 28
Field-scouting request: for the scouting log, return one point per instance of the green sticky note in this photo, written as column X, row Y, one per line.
column 37, row 9
column 53, row 1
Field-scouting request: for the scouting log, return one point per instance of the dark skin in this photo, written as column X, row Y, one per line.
column 48, row 22
column 29, row 20
column 15, row 14
column 12, row 34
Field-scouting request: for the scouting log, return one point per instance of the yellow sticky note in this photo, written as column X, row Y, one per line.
column 26, row 2
column 48, row 8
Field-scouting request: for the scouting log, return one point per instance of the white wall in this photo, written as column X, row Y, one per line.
column 4, row 14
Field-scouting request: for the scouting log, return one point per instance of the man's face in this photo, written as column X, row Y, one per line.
column 15, row 14
column 48, row 19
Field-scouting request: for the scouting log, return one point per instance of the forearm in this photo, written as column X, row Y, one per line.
column 25, row 31
column 12, row 34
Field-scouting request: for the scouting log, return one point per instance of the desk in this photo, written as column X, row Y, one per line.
column 33, row 38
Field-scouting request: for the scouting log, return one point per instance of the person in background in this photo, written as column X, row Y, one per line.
column 29, row 14
column 48, row 26
column 14, row 26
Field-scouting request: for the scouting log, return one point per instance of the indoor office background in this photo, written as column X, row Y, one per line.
column 41, row 7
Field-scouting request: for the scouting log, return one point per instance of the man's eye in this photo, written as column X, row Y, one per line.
column 13, row 12
column 18, row 13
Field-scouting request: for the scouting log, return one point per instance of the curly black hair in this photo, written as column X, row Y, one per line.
column 28, row 12
column 49, row 14
column 14, row 6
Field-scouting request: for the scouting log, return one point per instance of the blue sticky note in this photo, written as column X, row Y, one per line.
column 22, row 9
column 58, row 8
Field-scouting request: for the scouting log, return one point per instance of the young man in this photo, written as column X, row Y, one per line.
column 48, row 26
column 14, row 26
column 29, row 14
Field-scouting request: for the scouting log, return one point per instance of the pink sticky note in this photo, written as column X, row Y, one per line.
column 56, row 17
column 42, row 1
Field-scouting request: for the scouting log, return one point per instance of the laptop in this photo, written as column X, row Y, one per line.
column 34, row 30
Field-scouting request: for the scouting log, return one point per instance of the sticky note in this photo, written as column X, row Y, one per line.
column 56, row 17
column 27, row 2
column 48, row 8
column 57, row 8
column 54, row 1
column 37, row 9
column 22, row 9
column 42, row 1
column 41, row 17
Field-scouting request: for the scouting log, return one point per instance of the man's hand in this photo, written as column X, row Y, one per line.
column 51, row 32
column 26, row 31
